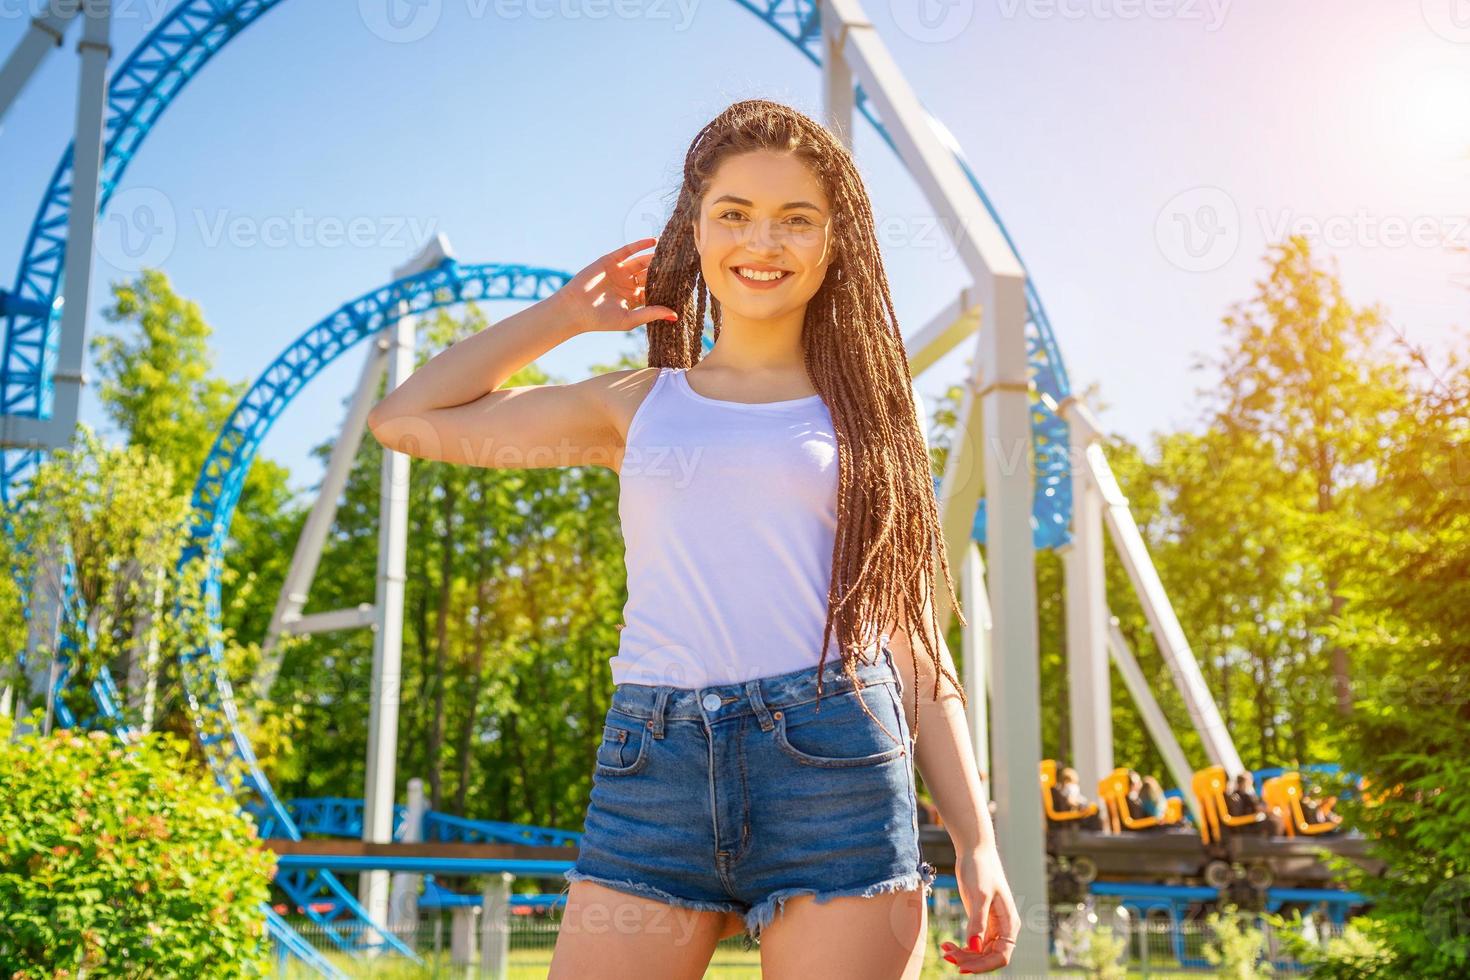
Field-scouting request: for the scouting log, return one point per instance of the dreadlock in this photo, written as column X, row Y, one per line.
column 888, row 530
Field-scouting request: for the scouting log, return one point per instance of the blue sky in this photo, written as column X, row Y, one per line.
column 1142, row 155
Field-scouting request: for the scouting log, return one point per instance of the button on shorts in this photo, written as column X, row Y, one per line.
column 739, row 796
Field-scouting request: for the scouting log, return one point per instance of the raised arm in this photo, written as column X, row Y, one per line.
column 454, row 410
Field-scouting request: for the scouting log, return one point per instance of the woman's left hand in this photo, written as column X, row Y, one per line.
column 994, row 922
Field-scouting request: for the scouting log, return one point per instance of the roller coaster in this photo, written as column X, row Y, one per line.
column 1067, row 501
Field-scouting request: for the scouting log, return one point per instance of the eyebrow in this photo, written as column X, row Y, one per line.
column 785, row 207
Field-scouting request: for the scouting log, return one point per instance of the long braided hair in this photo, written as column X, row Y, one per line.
column 888, row 532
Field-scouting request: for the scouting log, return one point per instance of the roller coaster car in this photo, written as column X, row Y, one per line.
column 1112, row 789
column 1209, row 790
column 1053, row 815
column 1283, row 794
column 1373, row 799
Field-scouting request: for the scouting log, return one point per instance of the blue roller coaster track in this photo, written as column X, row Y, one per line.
column 139, row 92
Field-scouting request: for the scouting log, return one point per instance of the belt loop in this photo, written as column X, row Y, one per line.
column 888, row 656
column 660, row 706
column 758, row 704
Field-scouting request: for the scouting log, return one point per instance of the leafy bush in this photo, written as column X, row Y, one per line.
column 1084, row 940
column 124, row 861
column 1235, row 951
column 1361, row 951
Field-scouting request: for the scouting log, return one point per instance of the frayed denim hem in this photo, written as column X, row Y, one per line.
column 764, row 912
column 648, row 891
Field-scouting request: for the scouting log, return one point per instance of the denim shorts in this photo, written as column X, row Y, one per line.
column 736, row 797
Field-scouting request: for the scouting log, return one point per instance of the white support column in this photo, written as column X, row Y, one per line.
column 975, row 645
column 403, row 906
column 387, row 678
column 296, row 587
column 495, row 926
column 81, row 226
column 462, row 935
column 1016, row 710
column 1089, row 680
column 838, row 98
column 46, row 32
column 382, row 747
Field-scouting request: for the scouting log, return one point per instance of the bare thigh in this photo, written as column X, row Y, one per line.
column 614, row 935
column 880, row 938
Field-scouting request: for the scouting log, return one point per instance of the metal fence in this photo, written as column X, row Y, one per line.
column 1156, row 948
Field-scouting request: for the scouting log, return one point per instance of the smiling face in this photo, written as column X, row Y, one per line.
column 764, row 214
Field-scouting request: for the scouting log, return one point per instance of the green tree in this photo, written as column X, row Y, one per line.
column 1310, row 377
column 159, row 388
column 1410, row 736
column 115, row 514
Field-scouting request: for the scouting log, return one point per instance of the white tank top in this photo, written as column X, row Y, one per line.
column 729, row 514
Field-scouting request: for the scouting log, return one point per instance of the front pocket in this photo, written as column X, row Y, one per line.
column 624, row 747
column 842, row 734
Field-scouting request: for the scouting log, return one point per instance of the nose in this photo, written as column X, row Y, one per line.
column 763, row 235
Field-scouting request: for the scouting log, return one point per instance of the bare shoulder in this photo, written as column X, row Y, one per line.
column 619, row 394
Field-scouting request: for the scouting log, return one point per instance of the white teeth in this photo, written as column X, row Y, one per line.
column 759, row 276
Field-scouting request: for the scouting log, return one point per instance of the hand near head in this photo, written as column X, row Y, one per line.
column 608, row 294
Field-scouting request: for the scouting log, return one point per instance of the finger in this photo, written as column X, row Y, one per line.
column 638, row 264
column 629, row 275
column 986, row 962
column 619, row 254
column 1007, row 921
column 980, row 925
column 646, row 314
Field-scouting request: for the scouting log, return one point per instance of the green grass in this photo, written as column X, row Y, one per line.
column 730, row 962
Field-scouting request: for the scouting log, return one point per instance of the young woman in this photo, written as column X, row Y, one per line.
column 776, row 501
